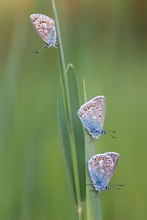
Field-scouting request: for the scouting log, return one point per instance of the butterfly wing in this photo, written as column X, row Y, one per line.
column 115, row 158
column 92, row 114
column 99, row 103
column 45, row 26
column 101, row 168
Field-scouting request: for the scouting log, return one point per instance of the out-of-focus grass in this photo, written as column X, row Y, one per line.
column 109, row 48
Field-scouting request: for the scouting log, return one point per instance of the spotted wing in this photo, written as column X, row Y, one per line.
column 115, row 157
column 99, row 104
column 44, row 25
column 102, row 166
column 92, row 113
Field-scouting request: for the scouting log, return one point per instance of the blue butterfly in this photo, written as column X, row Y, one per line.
column 101, row 168
column 46, row 29
column 92, row 115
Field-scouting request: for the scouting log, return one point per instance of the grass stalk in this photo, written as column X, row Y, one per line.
column 93, row 207
column 67, row 105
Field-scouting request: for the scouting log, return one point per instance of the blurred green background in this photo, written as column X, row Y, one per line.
column 107, row 43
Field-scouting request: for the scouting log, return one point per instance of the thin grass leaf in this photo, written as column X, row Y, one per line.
column 63, row 126
column 77, row 127
column 68, row 112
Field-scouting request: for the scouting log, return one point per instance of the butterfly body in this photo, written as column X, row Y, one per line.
column 92, row 116
column 45, row 27
column 101, row 168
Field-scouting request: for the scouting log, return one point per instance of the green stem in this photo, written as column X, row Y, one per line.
column 93, row 207
column 67, row 103
column 81, row 212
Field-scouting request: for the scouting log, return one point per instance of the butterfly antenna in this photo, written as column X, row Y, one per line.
column 111, row 131
column 38, row 51
column 118, row 187
column 112, row 136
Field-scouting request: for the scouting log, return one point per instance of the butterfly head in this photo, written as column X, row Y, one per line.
column 96, row 133
column 100, row 188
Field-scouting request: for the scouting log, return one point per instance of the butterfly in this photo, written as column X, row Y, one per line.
column 46, row 29
column 101, row 168
column 92, row 115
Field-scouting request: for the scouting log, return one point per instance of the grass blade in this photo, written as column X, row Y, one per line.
column 68, row 112
column 63, row 126
column 77, row 127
